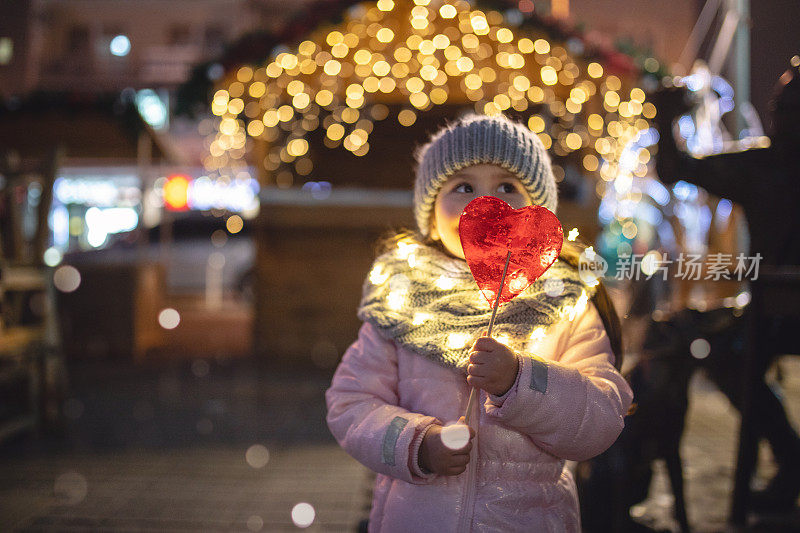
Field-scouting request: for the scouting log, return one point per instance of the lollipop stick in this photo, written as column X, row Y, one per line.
column 472, row 394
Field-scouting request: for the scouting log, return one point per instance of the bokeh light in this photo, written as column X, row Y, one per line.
column 303, row 514
column 66, row 278
column 169, row 318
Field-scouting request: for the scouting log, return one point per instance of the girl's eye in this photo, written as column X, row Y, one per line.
column 507, row 188
column 463, row 187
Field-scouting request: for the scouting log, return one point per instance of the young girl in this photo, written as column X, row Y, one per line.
column 548, row 387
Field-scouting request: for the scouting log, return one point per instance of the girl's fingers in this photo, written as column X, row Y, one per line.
column 476, row 370
column 478, row 357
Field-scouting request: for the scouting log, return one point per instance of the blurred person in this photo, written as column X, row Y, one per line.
column 764, row 181
column 403, row 378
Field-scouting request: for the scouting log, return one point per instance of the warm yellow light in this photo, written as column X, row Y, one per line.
column 573, row 141
column 334, row 37
column 385, row 5
column 255, row 128
column 611, row 99
column 285, row 113
column 504, row 35
column 613, row 83
column 362, row 57
column 381, row 68
column 547, row 141
column 244, row 74
column 595, row 121
column 525, row 45
column 447, row 11
column 465, row 64
column 307, row 48
column 590, row 162
column 387, row 85
column 339, row 50
column 427, row 47
column 535, row 94
column 332, row 67
column 428, row 72
column 452, row 52
column 649, row 110
column 536, row 124
column 541, row 46
column 637, row 95
column 271, row 118
column 441, row 41
column 418, row 100
column 578, row 95
column 294, row 87
column 469, row 41
column 372, row 84
column 301, row 100
column 472, row 81
column 415, row 85
column 335, row 131
column 234, row 224
column 549, row 75
column 384, row 35
column 406, row 117
column 479, row 24
column 324, row 97
column 236, row 106
column 257, row 89
column 438, row 96
column 289, row 61
column 595, row 70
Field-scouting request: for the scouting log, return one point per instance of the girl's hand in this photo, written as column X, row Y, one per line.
column 493, row 366
column 435, row 457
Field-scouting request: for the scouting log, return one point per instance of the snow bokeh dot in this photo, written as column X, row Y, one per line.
column 455, row 436
column 303, row 514
column 257, row 456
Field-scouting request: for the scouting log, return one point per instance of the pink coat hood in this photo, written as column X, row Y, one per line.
column 567, row 403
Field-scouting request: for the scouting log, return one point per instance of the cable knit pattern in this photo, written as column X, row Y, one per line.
column 435, row 309
column 478, row 139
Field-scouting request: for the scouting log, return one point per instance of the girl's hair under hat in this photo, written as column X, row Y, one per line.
column 477, row 139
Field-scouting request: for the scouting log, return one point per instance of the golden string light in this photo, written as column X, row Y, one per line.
column 417, row 55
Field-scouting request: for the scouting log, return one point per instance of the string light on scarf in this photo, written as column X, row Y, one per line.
column 419, row 56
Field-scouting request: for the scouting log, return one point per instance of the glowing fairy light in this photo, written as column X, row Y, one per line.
column 396, row 299
column 444, row 283
column 537, row 334
column 420, row 318
column 503, row 339
column 377, row 276
column 404, row 249
column 457, row 340
column 573, row 234
column 420, row 54
column 518, row 282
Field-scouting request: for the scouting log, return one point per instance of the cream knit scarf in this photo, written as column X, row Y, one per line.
column 429, row 303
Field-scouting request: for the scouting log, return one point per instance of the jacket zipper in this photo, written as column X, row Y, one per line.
column 465, row 524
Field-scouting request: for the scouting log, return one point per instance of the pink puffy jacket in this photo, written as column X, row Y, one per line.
column 567, row 403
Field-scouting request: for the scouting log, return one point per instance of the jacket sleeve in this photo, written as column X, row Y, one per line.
column 572, row 408
column 364, row 415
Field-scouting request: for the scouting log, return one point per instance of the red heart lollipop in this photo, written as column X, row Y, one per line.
column 490, row 228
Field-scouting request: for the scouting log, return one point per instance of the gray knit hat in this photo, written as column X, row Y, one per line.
column 477, row 139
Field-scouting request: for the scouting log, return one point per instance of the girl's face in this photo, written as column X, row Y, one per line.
column 463, row 187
